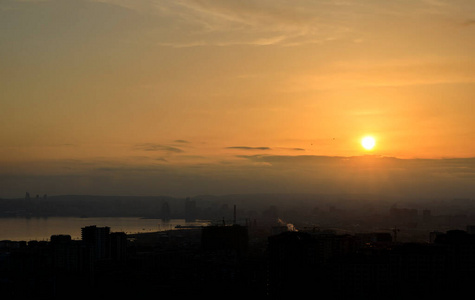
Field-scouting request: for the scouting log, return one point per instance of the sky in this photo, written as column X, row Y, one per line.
column 156, row 97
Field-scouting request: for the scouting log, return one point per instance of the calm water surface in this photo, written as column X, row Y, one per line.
column 26, row 229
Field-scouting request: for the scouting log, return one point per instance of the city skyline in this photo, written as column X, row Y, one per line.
column 181, row 98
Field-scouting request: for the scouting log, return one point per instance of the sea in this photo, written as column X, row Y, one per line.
column 42, row 228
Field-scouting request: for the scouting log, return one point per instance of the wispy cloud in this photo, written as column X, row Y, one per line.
column 249, row 148
column 197, row 23
column 157, row 147
column 470, row 22
column 228, row 23
column 294, row 149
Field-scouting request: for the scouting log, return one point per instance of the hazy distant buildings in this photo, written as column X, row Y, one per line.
column 190, row 210
column 403, row 216
column 166, row 213
column 28, row 197
column 426, row 216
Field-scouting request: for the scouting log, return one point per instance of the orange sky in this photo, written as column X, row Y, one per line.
column 89, row 85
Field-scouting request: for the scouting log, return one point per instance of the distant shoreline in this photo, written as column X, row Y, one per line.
column 31, row 229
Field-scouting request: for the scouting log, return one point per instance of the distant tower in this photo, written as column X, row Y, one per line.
column 166, row 211
column 190, row 210
column 27, row 196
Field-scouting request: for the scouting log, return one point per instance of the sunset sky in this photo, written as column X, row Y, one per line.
column 155, row 97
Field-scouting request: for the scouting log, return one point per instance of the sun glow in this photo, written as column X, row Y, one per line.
column 368, row 142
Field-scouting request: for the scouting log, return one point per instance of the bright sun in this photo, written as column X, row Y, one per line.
column 368, row 142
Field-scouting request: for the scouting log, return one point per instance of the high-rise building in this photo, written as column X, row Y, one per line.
column 99, row 239
column 70, row 255
column 118, row 241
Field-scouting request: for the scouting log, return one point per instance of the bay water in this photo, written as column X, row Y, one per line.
column 41, row 229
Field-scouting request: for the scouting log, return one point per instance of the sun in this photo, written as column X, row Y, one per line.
column 368, row 142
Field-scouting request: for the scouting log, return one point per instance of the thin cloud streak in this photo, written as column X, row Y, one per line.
column 158, row 147
column 249, row 148
column 261, row 23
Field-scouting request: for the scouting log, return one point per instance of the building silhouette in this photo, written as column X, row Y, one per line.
column 224, row 257
column 224, row 261
column 118, row 246
column 99, row 239
column 225, row 240
column 70, row 256
column 299, row 260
